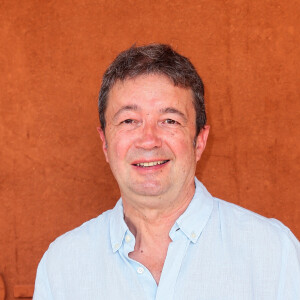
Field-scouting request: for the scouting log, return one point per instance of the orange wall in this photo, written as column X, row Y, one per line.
column 53, row 175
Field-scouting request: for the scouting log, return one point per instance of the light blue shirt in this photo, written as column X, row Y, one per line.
column 218, row 251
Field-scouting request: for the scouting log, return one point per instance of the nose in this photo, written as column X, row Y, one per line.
column 149, row 137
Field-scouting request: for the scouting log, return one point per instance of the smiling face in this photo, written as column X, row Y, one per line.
column 149, row 139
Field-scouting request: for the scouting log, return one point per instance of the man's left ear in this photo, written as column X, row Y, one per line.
column 201, row 141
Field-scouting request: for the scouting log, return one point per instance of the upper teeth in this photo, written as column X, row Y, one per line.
column 151, row 164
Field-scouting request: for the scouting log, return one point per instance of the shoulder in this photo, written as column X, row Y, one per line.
column 252, row 227
column 83, row 239
column 72, row 254
column 244, row 217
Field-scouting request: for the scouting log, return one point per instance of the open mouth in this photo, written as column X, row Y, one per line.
column 151, row 163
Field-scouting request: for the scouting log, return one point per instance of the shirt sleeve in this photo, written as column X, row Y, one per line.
column 42, row 290
column 289, row 288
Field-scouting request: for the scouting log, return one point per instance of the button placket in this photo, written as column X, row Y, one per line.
column 171, row 268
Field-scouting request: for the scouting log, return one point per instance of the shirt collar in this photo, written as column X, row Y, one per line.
column 191, row 222
column 118, row 227
column 197, row 214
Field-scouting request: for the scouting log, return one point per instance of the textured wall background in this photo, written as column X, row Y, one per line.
column 53, row 175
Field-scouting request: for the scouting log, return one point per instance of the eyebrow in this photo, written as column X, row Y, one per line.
column 133, row 107
column 165, row 110
column 173, row 110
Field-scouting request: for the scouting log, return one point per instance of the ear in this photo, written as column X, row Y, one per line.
column 201, row 141
column 104, row 144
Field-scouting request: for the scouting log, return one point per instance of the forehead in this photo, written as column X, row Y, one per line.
column 149, row 90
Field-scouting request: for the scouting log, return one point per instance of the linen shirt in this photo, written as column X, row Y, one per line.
column 218, row 251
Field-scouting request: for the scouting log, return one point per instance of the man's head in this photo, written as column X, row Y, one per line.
column 152, row 110
column 154, row 59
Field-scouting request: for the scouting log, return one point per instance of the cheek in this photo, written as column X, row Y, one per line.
column 181, row 141
column 118, row 147
column 184, row 152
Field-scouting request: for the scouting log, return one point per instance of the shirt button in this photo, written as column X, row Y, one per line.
column 127, row 238
column 140, row 270
column 193, row 235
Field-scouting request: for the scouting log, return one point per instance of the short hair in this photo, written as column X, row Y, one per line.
column 154, row 59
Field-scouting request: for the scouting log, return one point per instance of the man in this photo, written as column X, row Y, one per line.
column 167, row 237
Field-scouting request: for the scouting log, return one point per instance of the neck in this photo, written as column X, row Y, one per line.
column 150, row 223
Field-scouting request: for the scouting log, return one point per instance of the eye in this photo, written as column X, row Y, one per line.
column 170, row 122
column 127, row 121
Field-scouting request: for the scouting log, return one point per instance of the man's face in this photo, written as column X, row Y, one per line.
column 149, row 137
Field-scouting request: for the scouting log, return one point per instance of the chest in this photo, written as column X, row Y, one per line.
column 189, row 271
column 154, row 262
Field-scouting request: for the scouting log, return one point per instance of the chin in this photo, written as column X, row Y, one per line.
column 148, row 189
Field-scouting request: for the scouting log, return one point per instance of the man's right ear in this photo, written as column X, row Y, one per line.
column 103, row 139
